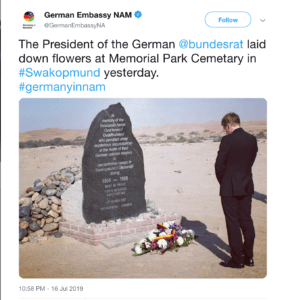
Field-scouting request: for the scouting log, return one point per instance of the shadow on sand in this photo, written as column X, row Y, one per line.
column 207, row 239
column 260, row 197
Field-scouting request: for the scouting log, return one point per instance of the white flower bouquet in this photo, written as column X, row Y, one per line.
column 167, row 236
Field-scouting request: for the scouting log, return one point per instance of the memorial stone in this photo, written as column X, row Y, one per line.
column 113, row 175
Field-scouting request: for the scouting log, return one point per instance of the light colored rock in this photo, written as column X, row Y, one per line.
column 43, row 203
column 53, row 214
column 49, row 220
column 78, row 177
column 56, row 200
column 56, row 208
column 74, row 170
column 27, row 202
column 37, row 234
column 50, row 202
column 39, row 222
column 57, row 220
column 42, row 222
column 58, row 177
column 40, row 183
column 24, row 225
column 34, row 196
column 51, row 177
column 22, row 200
column 50, row 227
column 47, row 182
column 25, row 239
column 38, row 216
column 54, row 173
column 29, row 194
column 23, row 195
column 34, row 206
column 38, row 199
column 36, row 210
column 42, row 239
column 72, row 204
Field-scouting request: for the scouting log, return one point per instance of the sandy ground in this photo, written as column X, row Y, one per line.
column 197, row 200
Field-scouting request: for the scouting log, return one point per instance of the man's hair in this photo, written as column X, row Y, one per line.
column 232, row 119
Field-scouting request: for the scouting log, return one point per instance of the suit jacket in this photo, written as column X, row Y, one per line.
column 233, row 165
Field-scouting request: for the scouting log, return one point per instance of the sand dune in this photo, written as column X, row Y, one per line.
column 166, row 129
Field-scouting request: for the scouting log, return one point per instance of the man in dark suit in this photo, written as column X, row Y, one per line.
column 233, row 165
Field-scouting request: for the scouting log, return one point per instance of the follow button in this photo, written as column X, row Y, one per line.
column 228, row 19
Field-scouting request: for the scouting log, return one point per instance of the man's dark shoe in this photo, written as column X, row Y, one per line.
column 249, row 261
column 232, row 264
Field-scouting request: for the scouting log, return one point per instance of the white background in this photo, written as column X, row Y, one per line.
column 161, row 21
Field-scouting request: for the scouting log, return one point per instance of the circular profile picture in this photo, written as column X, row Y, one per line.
column 29, row 16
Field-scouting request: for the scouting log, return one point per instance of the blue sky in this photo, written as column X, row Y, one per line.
column 75, row 113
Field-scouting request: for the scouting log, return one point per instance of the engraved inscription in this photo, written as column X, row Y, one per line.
column 113, row 168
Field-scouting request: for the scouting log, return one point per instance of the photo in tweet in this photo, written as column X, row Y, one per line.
column 129, row 184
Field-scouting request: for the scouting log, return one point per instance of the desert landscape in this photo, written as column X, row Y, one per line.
column 179, row 168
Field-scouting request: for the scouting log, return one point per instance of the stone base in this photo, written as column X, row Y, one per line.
column 123, row 240
column 94, row 234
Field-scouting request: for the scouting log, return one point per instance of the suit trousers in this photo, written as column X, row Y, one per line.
column 237, row 212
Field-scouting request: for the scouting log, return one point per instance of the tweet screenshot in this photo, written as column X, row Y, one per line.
column 135, row 161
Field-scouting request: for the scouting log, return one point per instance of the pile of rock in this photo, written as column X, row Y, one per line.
column 40, row 206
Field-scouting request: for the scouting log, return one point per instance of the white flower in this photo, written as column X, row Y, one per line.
column 147, row 244
column 151, row 237
column 142, row 242
column 168, row 231
column 162, row 244
column 191, row 232
column 180, row 240
column 166, row 224
column 185, row 233
column 137, row 249
column 162, row 234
